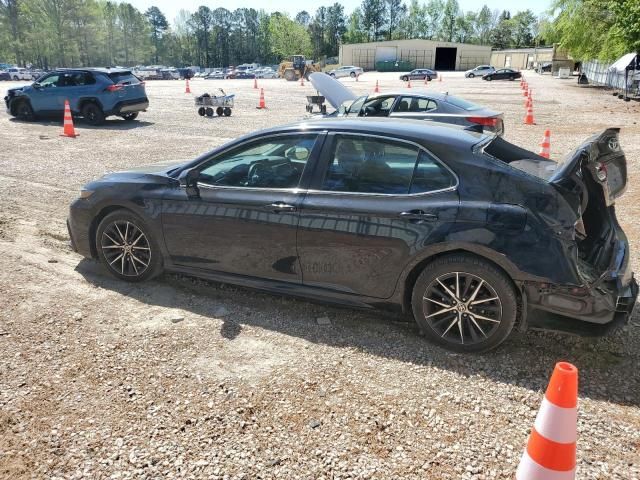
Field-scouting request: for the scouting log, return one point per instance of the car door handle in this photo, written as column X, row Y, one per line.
column 280, row 207
column 418, row 216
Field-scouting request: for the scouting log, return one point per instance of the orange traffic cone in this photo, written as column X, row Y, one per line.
column 525, row 92
column 67, row 129
column 529, row 94
column 187, row 89
column 409, row 84
column 545, row 146
column 528, row 119
column 302, row 81
column 255, row 83
column 440, row 77
column 357, row 77
column 377, row 89
column 551, row 449
column 261, row 103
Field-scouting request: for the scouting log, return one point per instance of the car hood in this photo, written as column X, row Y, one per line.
column 334, row 91
column 157, row 170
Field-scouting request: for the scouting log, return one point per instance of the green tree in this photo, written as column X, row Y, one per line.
column 288, row 37
column 373, row 18
column 355, row 32
column 523, row 24
column 158, row 25
column 449, row 15
column 336, row 28
column 396, row 11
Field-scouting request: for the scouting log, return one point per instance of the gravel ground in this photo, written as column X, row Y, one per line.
column 179, row 378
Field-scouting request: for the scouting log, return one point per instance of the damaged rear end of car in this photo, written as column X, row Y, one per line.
column 581, row 215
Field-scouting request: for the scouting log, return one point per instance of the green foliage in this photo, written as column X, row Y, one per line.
column 288, row 37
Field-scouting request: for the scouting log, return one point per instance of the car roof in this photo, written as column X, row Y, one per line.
column 414, row 93
column 437, row 132
column 95, row 69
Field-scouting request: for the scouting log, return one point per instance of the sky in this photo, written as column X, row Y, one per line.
column 171, row 7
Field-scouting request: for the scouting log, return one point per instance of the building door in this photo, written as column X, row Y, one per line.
column 445, row 58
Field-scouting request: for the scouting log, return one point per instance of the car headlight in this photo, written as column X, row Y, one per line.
column 86, row 193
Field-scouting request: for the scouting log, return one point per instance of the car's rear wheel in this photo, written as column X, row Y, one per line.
column 464, row 303
column 126, row 248
column 24, row 111
column 219, row 111
column 131, row 116
column 512, row 78
column 93, row 114
column 489, row 79
column 227, row 112
column 352, row 74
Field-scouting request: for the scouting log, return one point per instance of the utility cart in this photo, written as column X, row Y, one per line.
column 221, row 102
column 316, row 100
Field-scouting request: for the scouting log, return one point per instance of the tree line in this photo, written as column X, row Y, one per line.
column 56, row 33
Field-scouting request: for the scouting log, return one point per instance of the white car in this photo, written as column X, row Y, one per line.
column 479, row 71
column 266, row 73
column 20, row 74
column 346, row 71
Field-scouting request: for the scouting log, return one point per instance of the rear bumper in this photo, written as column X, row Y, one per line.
column 129, row 106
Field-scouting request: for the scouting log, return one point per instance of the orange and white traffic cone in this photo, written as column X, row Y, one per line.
column 261, row 102
column 409, row 83
column 551, row 449
column 67, row 129
column 357, row 77
column 545, row 145
column 528, row 118
column 255, row 83
column 525, row 92
column 377, row 89
column 440, row 77
column 302, row 81
column 187, row 89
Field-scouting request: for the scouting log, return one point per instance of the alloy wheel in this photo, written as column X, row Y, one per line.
column 462, row 308
column 126, row 248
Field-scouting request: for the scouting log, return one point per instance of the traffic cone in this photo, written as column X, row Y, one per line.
column 529, row 94
column 187, row 89
column 261, row 103
column 551, row 449
column 67, row 129
column 302, row 81
column 525, row 92
column 426, row 80
column 255, row 83
column 357, row 77
column 545, row 145
column 377, row 89
column 440, row 77
column 409, row 84
column 528, row 119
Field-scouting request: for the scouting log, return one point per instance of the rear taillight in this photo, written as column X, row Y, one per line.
column 114, row 88
column 484, row 121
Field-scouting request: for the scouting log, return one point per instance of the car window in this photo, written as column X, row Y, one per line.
column 377, row 107
column 276, row 162
column 430, row 175
column 67, row 79
column 83, row 78
column 354, row 109
column 464, row 104
column 50, row 81
column 124, row 78
column 370, row 165
column 415, row 104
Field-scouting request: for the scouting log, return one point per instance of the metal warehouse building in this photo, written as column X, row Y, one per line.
column 528, row 58
column 419, row 53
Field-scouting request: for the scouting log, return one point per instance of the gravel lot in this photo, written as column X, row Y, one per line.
column 179, row 378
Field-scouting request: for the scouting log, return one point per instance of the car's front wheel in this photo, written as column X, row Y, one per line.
column 24, row 111
column 464, row 303
column 93, row 114
column 471, row 75
column 126, row 248
column 405, row 78
column 352, row 74
column 488, row 79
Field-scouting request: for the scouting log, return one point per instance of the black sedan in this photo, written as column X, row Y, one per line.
column 465, row 231
column 502, row 74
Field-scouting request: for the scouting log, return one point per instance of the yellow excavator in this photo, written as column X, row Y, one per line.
column 296, row 68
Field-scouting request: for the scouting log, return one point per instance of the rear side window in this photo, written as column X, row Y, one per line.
column 83, row 78
column 415, row 105
column 124, row 78
column 430, row 175
column 459, row 102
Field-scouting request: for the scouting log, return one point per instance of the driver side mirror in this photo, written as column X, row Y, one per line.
column 36, row 85
column 189, row 180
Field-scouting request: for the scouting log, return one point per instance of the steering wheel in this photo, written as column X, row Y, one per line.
column 254, row 171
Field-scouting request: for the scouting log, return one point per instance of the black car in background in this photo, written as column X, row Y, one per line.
column 502, row 74
column 465, row 231
column 186, row 73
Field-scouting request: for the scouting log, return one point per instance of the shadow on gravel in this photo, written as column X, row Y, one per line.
column 608, row 366
column 109, row 124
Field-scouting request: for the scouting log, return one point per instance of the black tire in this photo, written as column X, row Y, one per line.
column 209, row 111
column 126, row 267
column 460, row 320
column 323, row 109
column 512, row 78
column 227, row 112
column 93, row 114
column 24, row 111
column 219, row 111
column 352, row 74
column 428, row 78
column 488, row 79
column 405, row 78
column 201, row 111
column 332, row 75
column 472, row 75
column 15, row 78
column 130, row 117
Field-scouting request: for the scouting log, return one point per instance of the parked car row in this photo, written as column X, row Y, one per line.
column 17, row 74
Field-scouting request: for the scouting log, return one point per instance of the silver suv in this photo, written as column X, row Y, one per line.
column 479, row 71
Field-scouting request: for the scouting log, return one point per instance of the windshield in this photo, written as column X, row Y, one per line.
column 354, row 110
column 460, row 103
